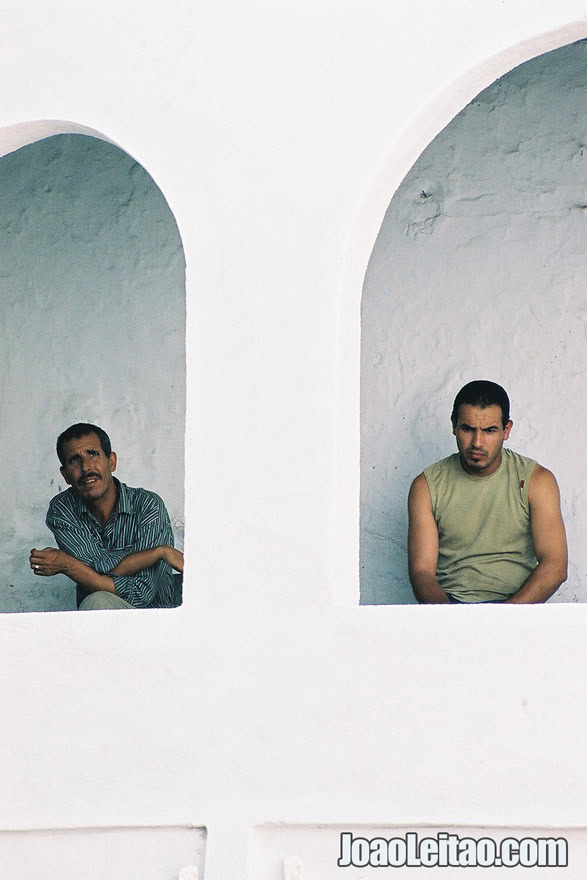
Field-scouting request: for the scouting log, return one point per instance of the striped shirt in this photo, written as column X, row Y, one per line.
column 139, row 522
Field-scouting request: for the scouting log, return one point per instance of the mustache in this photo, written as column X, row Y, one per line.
column 87, row 476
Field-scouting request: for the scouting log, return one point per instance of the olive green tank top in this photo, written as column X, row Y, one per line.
column 485, row 542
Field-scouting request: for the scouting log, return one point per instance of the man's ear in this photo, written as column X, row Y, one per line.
column 454, row 426
column 112, row 462
column 507, row 429
column 63, row 473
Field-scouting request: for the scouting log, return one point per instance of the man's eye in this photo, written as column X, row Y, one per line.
column 93, row 452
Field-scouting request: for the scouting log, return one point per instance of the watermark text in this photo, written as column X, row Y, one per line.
column 447, row 850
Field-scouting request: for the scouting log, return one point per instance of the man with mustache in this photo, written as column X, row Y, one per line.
column 115, row 542
column 485, row 523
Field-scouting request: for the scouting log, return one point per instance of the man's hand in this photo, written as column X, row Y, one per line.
column 48, row 562
column 173, row 557
column 51, row 561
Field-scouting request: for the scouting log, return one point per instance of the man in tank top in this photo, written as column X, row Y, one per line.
column 485, row 523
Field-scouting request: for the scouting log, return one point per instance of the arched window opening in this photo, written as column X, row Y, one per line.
column 478, row 272
column 92, row 330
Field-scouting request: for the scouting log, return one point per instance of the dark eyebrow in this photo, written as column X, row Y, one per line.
column 76, row 454
column 488, row 428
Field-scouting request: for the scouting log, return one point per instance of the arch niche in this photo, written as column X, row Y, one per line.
column 478, row 272
column 92, row 329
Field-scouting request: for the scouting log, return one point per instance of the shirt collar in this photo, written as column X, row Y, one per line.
column 124, row 503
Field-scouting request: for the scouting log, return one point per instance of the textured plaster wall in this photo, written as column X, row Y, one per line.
column 91, row 329
column 479, row 272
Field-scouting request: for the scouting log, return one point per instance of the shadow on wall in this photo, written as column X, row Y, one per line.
column 478, row 272
column 92, row 329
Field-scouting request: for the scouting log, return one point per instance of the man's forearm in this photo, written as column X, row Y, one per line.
column 427, row 589
column 136, row 562
column 130, row 565
column 85, row 576
column 542, row 583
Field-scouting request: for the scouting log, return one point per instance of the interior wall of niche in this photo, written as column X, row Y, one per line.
column 478, row 272
column 92, row 329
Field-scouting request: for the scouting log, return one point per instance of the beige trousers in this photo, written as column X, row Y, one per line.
column 102, row 599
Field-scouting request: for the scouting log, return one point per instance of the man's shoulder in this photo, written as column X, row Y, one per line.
column 64, row 502
column 518, row 459
column 543, row 484
column 434, row 483
column 64, row 512
column 133, row 499
column 519, row 467
column 444, row 466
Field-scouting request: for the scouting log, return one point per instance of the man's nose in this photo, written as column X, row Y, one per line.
column 86, row 463
column 477, row 437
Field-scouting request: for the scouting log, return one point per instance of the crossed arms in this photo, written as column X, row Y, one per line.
column 548, row 535
column 51, row 561
column 134, row 569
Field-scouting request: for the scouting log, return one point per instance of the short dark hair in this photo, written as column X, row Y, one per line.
column 482, row 393
column 74, row 432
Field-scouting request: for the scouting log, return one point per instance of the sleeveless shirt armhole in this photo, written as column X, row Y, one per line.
column 529, row 473
column 432, row 491
column 524, row 468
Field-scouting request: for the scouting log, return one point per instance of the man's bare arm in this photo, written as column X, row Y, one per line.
column 423, row 545
column 550, row 542
column 136, row 562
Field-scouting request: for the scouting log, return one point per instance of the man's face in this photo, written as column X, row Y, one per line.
column 480, row 436
column 87, row 469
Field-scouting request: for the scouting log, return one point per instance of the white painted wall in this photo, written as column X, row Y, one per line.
column 479, row 272
column 278, row 134
column 93, row 325
column 94, row 854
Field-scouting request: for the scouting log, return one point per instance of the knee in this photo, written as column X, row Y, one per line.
column 101, row 600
